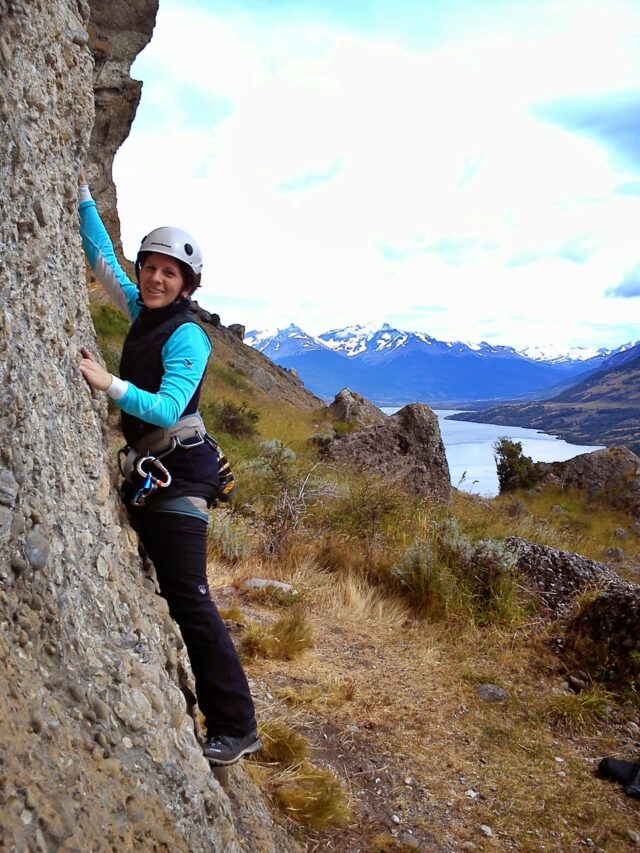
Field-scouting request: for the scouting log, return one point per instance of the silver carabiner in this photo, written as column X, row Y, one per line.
column 162, row 484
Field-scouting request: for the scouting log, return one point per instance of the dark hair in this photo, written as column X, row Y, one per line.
column 190, row 278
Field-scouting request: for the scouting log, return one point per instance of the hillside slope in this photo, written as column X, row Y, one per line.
column 602, row 409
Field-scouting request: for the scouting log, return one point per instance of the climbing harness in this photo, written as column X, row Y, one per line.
column 155, row 445
column 159, row 443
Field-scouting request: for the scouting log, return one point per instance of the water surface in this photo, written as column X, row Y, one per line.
column 469, row 449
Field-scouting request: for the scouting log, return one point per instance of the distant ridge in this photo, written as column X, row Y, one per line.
column 603, row 408
column 393, row 366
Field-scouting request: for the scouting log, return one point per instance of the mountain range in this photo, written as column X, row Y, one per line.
column 392, row 367
column 603, row 408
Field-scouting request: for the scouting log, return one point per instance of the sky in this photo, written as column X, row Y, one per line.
column 463, row 168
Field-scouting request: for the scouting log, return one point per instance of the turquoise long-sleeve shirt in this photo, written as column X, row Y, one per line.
column 184, row 355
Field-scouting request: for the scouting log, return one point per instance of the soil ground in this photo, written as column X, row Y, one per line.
column 391, row 705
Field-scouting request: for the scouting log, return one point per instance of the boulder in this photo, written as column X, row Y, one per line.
column 604, row 635
column 611, row 475
column 406, row 448
column 353, row 408
column 238, row 330
column 557, row 577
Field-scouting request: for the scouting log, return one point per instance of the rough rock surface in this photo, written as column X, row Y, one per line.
column 610, row 626
column 407, row 448
column 353, row 408
column 118, row 30
column 558, row 576
column 97, row 749
column 611, row 475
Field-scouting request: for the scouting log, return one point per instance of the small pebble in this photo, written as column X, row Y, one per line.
column 127, row 742
column 395, row 819
column 633, row 836
column 486, row 830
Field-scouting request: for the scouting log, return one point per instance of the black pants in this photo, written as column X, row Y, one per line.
column 177, row 547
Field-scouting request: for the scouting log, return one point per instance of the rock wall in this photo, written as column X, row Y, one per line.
column 97, row 750
column 117, row 31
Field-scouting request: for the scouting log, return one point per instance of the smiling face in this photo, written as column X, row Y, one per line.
column 161, row 280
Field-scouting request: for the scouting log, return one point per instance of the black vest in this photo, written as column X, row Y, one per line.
column 141, row 361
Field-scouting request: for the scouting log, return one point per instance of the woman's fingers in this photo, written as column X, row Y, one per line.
column 87, row 354
column 95, row 375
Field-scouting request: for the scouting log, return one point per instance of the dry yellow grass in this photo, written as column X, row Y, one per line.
column 384, row 690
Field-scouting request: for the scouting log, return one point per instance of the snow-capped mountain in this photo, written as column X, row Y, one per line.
column 555, row 354
column 393, row 366
column 283, row 342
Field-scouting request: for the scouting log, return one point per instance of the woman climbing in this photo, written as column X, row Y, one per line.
column 171, row 465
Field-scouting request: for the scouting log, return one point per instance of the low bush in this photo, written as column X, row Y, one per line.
column 369, row 509
column 236, row 419
column 579, row 711
column 229, row 536
column 282, row 744
column 341, row 428
column 109, row 322
column 283, row 640
column 426, row 580
column 449, row 573
column 313, row 796
column 515, row 470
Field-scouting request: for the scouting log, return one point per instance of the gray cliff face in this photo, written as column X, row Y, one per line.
column 97, row 748
column 118, row 30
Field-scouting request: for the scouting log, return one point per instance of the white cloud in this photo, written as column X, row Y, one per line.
column 432, row 146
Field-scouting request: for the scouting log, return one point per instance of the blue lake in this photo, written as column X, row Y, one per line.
column 469, row 449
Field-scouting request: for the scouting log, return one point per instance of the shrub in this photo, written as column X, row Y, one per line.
column 450, row 573
column 341, row 428
column 282, row 744
column 423, row 576
column 314, row 796
column 485, row 569
column 284, row 640
column 238, row 420
column 282, row 493
column 580, row 711
column 109, row 322
column 515, row 470
column 372, row 508
column 229, row 536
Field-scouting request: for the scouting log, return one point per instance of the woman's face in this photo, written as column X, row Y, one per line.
column 161, row 280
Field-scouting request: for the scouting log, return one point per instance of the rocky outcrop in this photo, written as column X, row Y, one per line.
column 601, row 636
column 604, row 635
column 558, row 577
column 98, row 748
column 407, row 449
column 117, row 32
column 611, row 476
column 352, row 408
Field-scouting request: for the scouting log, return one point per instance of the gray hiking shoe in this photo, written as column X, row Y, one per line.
column 221, row 750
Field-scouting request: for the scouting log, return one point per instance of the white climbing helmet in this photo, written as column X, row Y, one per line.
column 173, row 242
